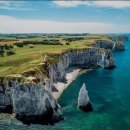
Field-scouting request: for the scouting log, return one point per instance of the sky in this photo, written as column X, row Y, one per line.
column 64, row 16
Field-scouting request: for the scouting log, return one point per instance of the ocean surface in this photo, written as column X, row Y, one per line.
column 109, row 92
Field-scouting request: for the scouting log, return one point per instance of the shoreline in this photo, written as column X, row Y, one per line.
column 71, row 75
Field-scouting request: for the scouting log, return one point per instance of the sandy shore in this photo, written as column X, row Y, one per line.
column 71, row 75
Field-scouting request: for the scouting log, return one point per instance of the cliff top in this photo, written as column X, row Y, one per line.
column 20, row 55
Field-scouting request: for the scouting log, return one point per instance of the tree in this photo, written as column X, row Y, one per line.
column 10, row 52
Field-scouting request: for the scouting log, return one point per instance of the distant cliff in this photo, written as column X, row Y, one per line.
column 115, row 43
column 118, row 38
column 108, row 44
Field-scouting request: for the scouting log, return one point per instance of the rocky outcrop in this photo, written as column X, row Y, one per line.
column 109, row 44
column 119, row 47
column 83, row 100
column 34, row 104
column 118, row 38
column 113, row 42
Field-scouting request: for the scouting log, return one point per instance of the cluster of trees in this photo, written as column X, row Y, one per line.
column 7, row 39
column 74, row 34
column 67, row 43
column 17, row 36
column 6, row 49
column 51, row 42
column 71, row 39
column 44, row 42
column 33, row 35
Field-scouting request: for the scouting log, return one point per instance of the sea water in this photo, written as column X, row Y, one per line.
column 109, row 92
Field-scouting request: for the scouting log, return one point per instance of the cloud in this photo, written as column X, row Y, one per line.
column 113, row 4
column 68, row 3
column 13, row 25
column 110, row 4
column 10, row 24
column 14, row 5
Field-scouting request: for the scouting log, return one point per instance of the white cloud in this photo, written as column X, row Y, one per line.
column 111, row 4
column 13, row 25
column 14, row 5
column 68, row 3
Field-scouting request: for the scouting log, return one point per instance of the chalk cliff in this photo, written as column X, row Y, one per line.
column 109, row 44
column 32, row 103
column 32, row 100
column 85, row 58
column 118, row 38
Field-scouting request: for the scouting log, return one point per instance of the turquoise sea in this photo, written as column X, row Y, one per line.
column 109, row 92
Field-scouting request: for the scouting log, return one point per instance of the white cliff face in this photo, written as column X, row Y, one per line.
column 32, row 100
column 34, row 103
column 90, row 57
column 113, row 48
column 119, row 38
column 107, row 60
column 83, row 99
column 119, row 47
column 102, row 61
column 112, row 45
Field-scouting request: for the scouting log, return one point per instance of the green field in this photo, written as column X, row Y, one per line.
column 27, row 57
column 31, row 55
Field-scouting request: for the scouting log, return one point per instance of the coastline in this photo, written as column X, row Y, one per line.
column 71, row 75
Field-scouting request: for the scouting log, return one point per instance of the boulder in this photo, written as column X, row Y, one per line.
column 83, row 100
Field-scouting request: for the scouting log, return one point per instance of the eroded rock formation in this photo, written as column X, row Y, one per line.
column 34, row 104
column 83, row 100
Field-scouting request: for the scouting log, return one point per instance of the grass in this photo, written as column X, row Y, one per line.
column 27, row 58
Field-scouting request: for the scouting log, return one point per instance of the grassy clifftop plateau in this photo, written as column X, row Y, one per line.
column 20, row 55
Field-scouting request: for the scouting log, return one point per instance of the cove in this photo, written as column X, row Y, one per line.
column 109, row 91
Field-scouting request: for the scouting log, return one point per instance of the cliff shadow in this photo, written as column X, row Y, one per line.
column 8, row 109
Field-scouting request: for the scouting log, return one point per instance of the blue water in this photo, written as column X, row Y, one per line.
column 109, row 91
